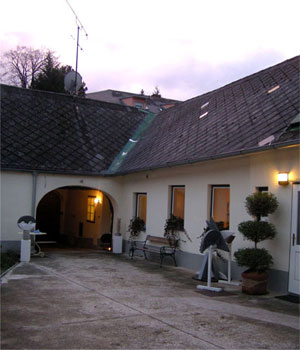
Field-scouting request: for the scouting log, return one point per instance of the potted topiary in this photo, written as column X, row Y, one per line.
column 258, row 260
column 136, row 226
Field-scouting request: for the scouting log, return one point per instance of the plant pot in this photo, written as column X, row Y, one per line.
column 254, row 282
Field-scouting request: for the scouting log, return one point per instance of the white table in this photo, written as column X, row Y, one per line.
column 36, row 251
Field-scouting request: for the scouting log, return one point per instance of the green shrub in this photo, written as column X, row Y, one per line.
column 257, row 231
column 136, row 226
column 256, row 259
column 261, row 204
column 258, row 204
column 173, row 224
column 8, row 259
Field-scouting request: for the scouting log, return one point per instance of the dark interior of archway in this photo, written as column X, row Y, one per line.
column 48, row 217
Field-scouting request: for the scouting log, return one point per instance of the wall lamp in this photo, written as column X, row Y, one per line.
column 283, row 178
column 98, row 199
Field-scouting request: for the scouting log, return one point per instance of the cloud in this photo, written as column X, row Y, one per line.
column 186, row 79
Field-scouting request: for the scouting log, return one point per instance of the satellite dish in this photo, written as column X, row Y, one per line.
column 73, row 81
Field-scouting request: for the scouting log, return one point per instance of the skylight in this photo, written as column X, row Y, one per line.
column 203, row 115
column 266, row 141
column 273, row 89
column 205, row 105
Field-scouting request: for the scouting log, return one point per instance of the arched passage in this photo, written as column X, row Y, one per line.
column 75, row 216
column 48, row 216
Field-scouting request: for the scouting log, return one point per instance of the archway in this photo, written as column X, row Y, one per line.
column 75, row 216
column 48, row 216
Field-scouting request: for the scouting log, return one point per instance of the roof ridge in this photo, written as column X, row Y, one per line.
column 66, row 96
column 133, row 94
column 247, row 77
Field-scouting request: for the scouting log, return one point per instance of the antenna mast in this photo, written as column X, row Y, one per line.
column 79, row 26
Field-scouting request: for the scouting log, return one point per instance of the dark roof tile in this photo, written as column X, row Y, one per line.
column 240, row 115
column 62, row 133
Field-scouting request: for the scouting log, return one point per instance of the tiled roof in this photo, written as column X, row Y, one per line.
column 61, row 133
column 245, row 116
column 64, row 134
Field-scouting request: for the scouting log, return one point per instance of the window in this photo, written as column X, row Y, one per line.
column 141, row 206
column 91, row 209
column 220, row 199
column 138, row 105
column 177, row 201
column 262, row 189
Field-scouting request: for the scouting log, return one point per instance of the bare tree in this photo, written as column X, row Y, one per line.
column 156, row 92
column 23, row 64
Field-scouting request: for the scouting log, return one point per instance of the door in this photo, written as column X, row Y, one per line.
column 294, row 274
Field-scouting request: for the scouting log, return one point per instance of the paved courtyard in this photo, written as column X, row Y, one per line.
column 76, row 299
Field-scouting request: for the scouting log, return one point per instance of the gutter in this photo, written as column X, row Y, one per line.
column 52, row 172
column 34, row 185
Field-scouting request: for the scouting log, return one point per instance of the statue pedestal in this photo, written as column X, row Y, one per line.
column 25, row 250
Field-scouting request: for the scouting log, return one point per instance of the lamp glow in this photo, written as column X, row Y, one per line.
column 283, row 178
column 98, row 199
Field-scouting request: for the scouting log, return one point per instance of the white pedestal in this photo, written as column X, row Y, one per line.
column 117, row 244
column 209, row 287
column 25, row 250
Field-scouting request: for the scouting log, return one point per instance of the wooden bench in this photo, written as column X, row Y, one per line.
column 162, row 246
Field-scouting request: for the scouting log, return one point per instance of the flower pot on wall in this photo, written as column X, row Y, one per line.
column 254, row 282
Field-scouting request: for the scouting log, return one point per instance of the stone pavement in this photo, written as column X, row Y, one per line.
column 76, row 299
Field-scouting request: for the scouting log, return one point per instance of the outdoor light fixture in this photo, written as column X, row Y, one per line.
column 98, row 199
column 283, row 178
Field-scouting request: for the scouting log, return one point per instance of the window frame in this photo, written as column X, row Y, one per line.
column 212, row 201
column 136, row 212
column 173, row 187
column 88, row 209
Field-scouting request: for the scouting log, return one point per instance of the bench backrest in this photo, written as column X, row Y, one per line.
column 162, row 241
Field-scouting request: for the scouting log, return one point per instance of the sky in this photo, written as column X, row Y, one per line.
column 184, row 47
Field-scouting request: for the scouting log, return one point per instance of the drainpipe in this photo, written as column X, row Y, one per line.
column 34, row 182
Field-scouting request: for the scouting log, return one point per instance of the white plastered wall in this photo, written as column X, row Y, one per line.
column 16, row 195
column 243, row 174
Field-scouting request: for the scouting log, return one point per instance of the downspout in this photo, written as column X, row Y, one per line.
column 34, row 183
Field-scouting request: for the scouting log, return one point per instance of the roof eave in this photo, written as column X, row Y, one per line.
column 204, row 159
column 53, row 172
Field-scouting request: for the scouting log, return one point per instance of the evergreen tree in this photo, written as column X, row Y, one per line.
column 52, row 77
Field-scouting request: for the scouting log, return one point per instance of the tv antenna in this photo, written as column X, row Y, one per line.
column 79, row 27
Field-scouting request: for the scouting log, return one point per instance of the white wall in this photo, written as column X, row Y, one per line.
column 243, row 174
column 16, row 195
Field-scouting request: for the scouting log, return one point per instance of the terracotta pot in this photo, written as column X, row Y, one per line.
column 254, row 282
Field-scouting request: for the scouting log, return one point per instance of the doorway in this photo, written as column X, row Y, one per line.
column 48, row 216
column 294, row 273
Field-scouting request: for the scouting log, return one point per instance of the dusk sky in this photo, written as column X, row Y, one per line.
column 186, row 48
